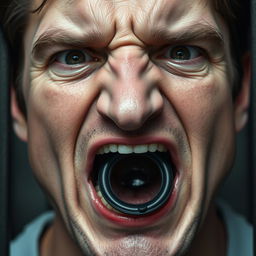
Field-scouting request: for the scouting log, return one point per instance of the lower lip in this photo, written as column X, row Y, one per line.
column 133, row 221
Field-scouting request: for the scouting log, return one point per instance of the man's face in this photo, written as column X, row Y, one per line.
column 126, row 74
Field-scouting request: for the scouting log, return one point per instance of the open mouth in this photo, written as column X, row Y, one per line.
column 133, row 180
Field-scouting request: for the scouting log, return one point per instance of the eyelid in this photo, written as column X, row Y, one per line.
column 61, row 56
column 61, row 71
column 88, row 55
column 45, row 57
column 195, row 67
column 196, row 52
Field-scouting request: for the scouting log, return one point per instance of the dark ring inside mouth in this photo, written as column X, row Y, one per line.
column 135, row 184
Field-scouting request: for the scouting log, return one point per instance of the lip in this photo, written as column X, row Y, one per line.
column 124, row 220
column 133, row 221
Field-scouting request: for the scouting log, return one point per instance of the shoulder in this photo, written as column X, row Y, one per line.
column 239, row 231
column 26, row 243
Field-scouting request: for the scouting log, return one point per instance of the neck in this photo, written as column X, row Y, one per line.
column 57, row 241
column 211, row 238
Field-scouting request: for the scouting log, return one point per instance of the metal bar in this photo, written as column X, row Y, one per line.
column 4, row 143
column 253, row 117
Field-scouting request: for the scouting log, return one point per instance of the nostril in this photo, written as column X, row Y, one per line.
column 125, row 113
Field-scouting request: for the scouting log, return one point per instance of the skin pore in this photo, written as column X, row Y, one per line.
column 130, row 72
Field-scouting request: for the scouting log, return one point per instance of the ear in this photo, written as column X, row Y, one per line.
column 243, row 98
column 19, row 120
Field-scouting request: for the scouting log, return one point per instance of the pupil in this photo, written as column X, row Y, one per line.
column 75, row 57
column 180, row 53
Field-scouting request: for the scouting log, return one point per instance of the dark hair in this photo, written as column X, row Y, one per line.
column 237, row 15
column 14, row 16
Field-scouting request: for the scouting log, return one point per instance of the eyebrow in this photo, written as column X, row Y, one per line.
column 59, row 36
column 196, row 32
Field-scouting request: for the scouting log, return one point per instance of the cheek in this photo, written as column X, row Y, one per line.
column 59, row 109
column 205, row 109
column 55, row 117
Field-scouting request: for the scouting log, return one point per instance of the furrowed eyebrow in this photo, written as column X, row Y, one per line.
column 57, row 36
column 197, row 32
column 61, row 37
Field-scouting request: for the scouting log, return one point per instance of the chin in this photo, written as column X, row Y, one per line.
column 138, row 243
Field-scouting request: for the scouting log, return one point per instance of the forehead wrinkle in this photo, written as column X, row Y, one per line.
column 95, row 16
column 159, row 17
column 77, row 21
column 160, row 12
column 94, row 12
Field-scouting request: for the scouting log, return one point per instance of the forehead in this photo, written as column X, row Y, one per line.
column 130, row 7
column 134, row 11
column 108, row 18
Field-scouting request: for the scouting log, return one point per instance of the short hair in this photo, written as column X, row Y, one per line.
column 15, row 15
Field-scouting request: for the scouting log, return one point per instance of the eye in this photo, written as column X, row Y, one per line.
column 182, row 53
column 73, row 57
column 183, row 60
column 73, row 64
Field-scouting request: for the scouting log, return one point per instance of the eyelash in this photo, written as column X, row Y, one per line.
column 198, row 52
column 93, row 57
column 88, row 57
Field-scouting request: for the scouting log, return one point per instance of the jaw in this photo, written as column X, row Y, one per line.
column 96, row 234
column 166, row 228
column 171, row 237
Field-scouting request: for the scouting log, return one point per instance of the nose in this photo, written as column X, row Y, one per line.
column 130, row 95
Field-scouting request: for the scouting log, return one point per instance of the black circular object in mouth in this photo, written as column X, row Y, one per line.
column 136, row 184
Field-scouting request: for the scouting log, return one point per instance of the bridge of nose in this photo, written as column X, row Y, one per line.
column 130, row 97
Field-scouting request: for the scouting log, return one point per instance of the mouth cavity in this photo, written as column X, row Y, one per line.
column 133, row 180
